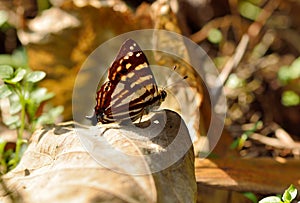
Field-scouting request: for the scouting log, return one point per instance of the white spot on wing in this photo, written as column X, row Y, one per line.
column 131, row 47
column 139, row 67
column 128, row 65
column 141, row 80
column 138, row 54
column 130, row 53
column 130, row 75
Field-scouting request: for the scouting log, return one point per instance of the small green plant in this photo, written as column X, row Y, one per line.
column 215, row 36
column 240, row 142
column 26, row 102
column 251, row 196
column 289, row 77
column 287, row 197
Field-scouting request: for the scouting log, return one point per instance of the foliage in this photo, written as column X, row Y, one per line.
column 260, row 70
column 16, row 59
column 26, row 102
column 215, row 36
column 287, row 197
column 249, row 10
column 240, row 141
column 250, row 196
column 290, row 98
column 286, row 75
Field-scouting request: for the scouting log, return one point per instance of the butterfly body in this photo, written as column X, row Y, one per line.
column 131, row 90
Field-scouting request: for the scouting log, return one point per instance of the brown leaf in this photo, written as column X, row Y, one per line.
column 56, row 167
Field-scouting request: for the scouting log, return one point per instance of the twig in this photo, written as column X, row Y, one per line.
column 235, row 59
column 284, row 137
column 274, row 142
column 222, row 22
column 253, row 30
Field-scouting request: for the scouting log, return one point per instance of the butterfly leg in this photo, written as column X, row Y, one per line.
column 142, row 113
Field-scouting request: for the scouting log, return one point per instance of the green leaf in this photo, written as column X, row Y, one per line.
column 2, row 146
column 287, row 73
column 249, row 10
column 40, row 94
column 3, row 17
column 50, row 116
column 24, row 146
column 289, row 194
column 56, row 111
column 290, row 98
column 5, row 59
column 19, row 75
column 15, row 107
column 271, row 199
column 12, row 162
column 19, row 58
column 11, row 120
column 4, row 91
column 31, row 109
column 215, row 36
column 250, row 196
column 284, row 74
column 220, row 61
column 242, row 140
column 234, row 81
column 235, row 144
column 6, row 72
column 295, row 68
column 239, row 142
column 35, row 76
column 256, row 2
column 287, row 197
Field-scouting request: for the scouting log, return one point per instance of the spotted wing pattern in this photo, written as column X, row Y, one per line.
column 131, row 90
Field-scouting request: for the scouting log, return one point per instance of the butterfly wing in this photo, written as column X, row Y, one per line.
column 131, row 86
column 103, row 102
column 130, row 57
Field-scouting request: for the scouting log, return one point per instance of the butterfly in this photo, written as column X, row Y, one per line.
column 130, row 91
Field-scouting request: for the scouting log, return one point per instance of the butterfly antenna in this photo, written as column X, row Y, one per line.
column 176, row 82
column 170, row 75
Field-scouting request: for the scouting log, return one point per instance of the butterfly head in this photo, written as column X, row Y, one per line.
column 163, row 95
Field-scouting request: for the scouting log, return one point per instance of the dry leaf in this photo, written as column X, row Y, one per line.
column 56, row 167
